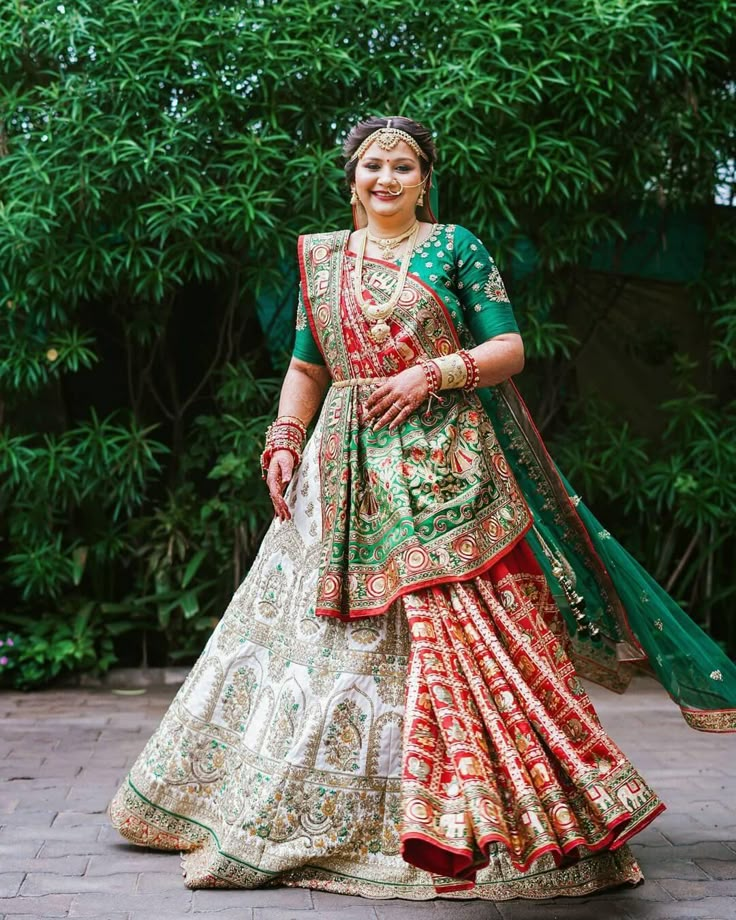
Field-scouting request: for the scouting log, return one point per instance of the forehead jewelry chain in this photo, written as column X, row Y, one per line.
column 389, row 243
column 377, row 314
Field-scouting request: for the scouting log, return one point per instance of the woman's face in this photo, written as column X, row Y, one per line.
column 387, row 182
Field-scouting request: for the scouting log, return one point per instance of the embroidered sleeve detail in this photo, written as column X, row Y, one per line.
column 494, row 287
column 482, row 292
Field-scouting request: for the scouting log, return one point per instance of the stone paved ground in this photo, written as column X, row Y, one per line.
column 63, row 753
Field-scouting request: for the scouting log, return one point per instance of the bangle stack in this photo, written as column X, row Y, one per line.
column 432, row 373
column 287, row 433
column 458, row 371
column 472, row 370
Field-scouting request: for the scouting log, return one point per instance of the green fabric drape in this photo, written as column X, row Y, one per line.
column 639, row 622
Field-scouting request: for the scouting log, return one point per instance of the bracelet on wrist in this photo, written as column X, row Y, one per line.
column 287, row 433
column 472, row 370
column 432, row 375
column 452, row 370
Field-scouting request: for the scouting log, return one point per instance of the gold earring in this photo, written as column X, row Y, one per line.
column 420, row 199
column 354, row 198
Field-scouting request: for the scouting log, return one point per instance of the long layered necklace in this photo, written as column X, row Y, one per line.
column 377, row 314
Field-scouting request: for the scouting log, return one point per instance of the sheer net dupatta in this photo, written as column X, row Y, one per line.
column 502, row 747
column 640, row 623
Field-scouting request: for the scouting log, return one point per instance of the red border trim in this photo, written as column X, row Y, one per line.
column 428, row 583
column 619, row 832
column 300, row 249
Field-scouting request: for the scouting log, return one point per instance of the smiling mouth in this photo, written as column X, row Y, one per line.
column 387, row 195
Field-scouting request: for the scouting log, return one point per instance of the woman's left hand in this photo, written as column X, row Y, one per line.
column 395, row 400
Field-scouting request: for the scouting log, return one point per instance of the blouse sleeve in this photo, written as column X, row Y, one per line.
column 305, row 348
column 481, row 292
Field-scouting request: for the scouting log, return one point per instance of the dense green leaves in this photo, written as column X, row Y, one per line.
column 157, row 161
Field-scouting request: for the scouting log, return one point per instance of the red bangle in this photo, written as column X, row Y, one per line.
column 268, row 453
column 286, row 433
column 432, row 374
column 471, row 366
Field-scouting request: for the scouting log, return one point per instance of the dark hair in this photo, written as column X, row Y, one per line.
column 365, row 128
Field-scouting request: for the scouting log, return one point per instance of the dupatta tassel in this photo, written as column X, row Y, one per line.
column 565, row 577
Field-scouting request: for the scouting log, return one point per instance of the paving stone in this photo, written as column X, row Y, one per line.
column 46, row 883
column 563, row 909
column 96, row 800
column 25, row 849
column 465, row 910
column 36, row 832
column 64, row 847
column 64, row 865
column 651, row 890
column 707, row 909
column 687, row 829
column 288, row 898
column 112, row 914
column 412, row 910
column 144, row 914
column 159, row 882
column 20, row 820
column 686, row 890
column 97, row 904
column 664, row 866
column 267, row 913
column 124, row 858
column 10, row 882
column 325, row 900
column 692, row 851
column 53, row 905
column 652, row 837
column 80, row 818
column 718, row 868
column 90, row 737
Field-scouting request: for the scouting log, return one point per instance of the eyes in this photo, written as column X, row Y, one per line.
column 375, row 167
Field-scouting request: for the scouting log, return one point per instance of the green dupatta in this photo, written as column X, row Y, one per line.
column 639, row 622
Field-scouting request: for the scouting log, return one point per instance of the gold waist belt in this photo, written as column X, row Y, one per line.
column 360, row 382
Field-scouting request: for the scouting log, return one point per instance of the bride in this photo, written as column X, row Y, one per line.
column 390, row 706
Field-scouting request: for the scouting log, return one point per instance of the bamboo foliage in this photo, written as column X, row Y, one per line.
column 157, row 161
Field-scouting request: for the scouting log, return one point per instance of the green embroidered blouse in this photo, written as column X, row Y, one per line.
column 454, row 263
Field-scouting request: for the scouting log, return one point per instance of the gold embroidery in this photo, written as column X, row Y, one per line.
column 494, row 288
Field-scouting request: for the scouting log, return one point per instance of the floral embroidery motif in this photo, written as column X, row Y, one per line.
column 284, row 727
column 237, row 698
column 716, row 675
column 344, row 739
column 659, row 625
column 494, row 287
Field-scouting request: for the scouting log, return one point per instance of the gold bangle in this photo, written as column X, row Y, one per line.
column 453, row 371
column 285, row 419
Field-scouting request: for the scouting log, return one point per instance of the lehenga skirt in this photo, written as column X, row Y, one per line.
column 446, row 747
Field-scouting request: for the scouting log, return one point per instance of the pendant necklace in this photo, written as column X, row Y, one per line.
column 376, row 314
column 387, row 244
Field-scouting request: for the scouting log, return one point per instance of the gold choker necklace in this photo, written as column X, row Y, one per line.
column 389, row 243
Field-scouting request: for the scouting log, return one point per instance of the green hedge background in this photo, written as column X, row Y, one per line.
column 157, row 161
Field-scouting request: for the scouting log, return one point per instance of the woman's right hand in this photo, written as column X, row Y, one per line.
column 280, row 471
